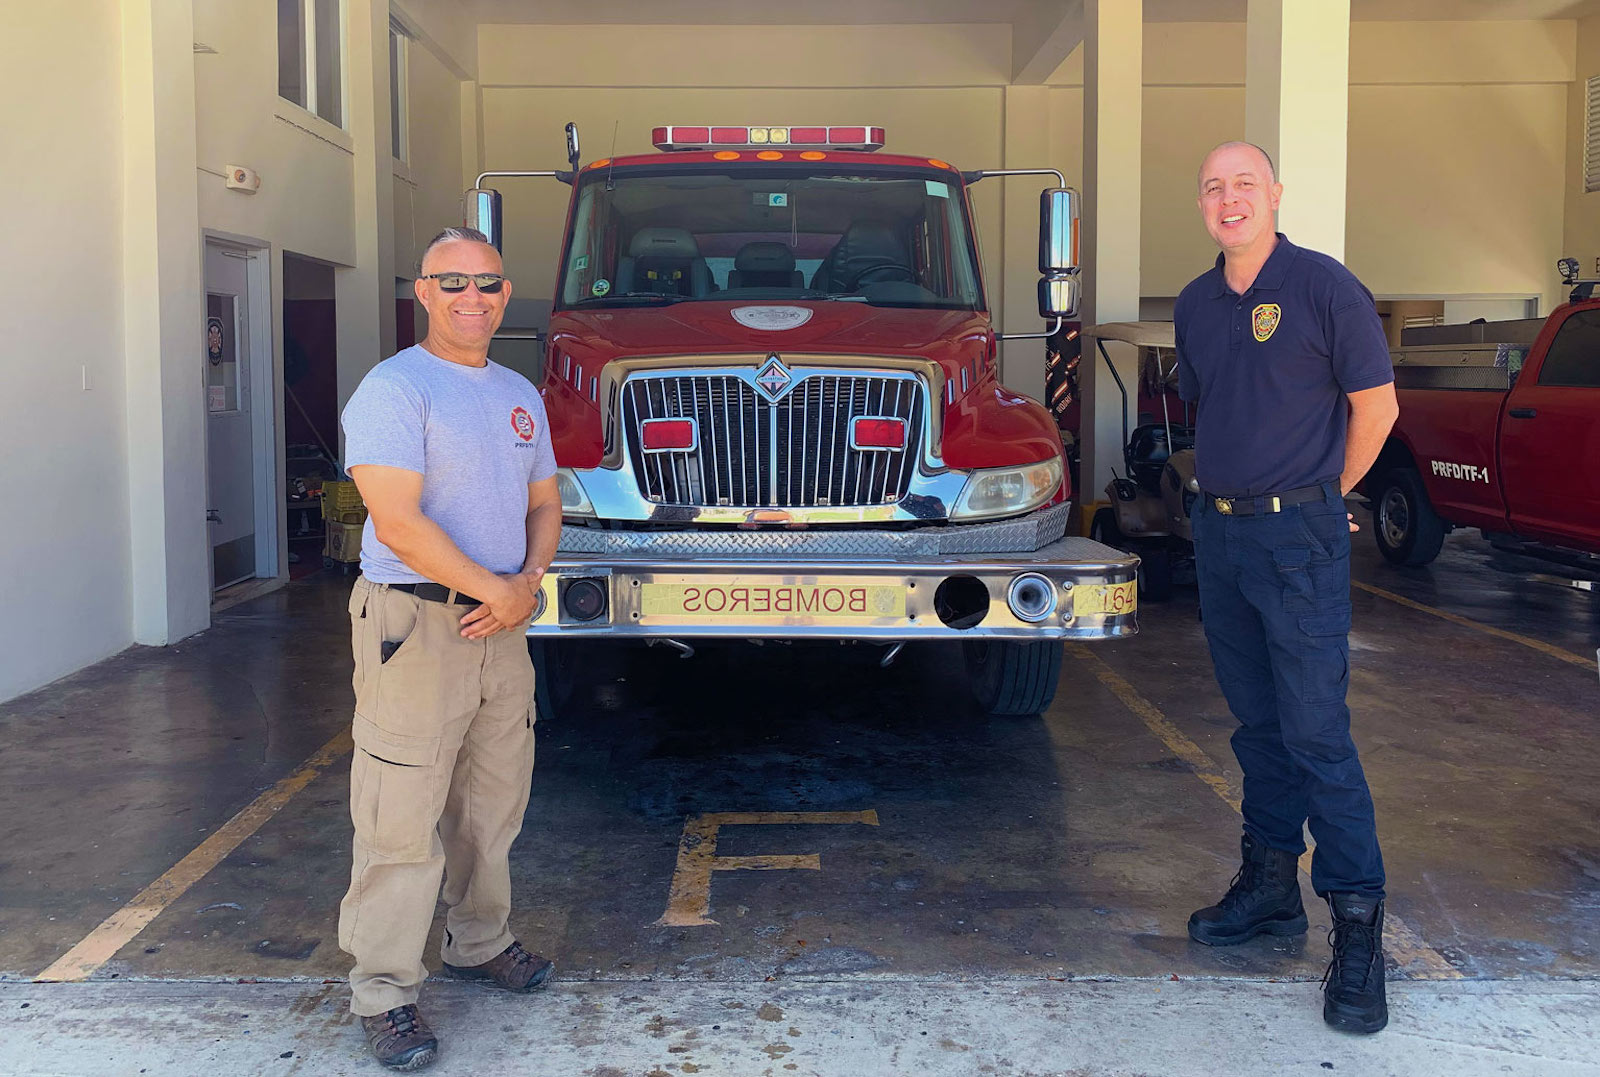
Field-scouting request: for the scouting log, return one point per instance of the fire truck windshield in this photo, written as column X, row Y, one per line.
column 888, row 237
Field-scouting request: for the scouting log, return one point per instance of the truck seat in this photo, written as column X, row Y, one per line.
column 765, row 265
column 1147, row 452
column 869, row 252
column 665, row 260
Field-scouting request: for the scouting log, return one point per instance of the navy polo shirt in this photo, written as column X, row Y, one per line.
column 1270, row 370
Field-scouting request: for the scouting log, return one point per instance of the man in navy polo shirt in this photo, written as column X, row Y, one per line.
column 1283, row 350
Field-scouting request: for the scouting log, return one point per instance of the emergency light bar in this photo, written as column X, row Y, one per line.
column 746, row 138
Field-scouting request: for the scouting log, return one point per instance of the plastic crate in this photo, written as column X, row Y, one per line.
column 338, row 497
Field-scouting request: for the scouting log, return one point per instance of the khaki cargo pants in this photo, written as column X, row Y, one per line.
column 438, row 784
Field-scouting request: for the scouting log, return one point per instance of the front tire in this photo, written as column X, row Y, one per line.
column 552, row 675
column 1407, row 530
column 1012, row 677
column 1155, row 571
column 1103, row 528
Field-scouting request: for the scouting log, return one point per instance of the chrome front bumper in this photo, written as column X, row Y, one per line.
column 784, row 594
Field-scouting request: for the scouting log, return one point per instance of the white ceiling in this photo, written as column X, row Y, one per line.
column 880, row 12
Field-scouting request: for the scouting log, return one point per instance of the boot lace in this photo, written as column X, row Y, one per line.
column 1351, row 941
column 402, row 1020
column 518, row 955
column 1249, row 878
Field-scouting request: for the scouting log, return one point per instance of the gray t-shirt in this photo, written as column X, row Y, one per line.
column 476, row 435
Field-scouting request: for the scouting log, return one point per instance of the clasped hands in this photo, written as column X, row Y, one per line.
column 509, row 608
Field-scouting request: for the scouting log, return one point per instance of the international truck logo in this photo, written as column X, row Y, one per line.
column 774, row 380
column 522, row 423
column 1264, row 320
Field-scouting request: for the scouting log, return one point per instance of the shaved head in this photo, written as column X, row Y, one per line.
column 1266, row 160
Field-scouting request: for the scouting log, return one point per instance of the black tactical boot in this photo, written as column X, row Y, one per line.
column 1264, row 898
column 401, row 1039
column 1353, row 989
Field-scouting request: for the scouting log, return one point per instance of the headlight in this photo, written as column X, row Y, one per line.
column 1005, row 491
column 574, row 502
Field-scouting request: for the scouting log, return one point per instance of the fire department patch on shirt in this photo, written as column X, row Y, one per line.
column 1264, row 320
column 522, row 423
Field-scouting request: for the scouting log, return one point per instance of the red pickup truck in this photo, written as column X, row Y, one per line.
column 1499, row 429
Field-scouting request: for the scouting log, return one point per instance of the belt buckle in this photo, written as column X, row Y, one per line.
column 1224, row 505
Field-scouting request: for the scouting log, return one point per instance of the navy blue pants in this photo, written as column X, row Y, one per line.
column 1275, row 596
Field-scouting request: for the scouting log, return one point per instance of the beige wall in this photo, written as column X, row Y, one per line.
column 1436, row 109
column 428, row 187
column 64, row 571
column 306, row 198
column 1581, row 232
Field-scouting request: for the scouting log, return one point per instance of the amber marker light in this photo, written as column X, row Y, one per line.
column 936, row 163
column 813, row 155
column 769, row 155
column 725, row 155
column 600, row 163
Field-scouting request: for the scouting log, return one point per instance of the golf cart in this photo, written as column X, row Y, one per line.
column 1150, row 505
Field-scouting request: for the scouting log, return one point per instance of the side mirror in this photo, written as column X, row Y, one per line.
column 572, row 145
column 1058, row 230
column 1058, row 296
column 484, row 212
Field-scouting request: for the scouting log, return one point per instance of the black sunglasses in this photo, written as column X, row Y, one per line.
column 457, row 282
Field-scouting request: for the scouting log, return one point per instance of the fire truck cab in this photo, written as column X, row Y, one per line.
column 772, row 385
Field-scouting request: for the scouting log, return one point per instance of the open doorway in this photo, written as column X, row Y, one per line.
column 240, row 481
column 310, row 404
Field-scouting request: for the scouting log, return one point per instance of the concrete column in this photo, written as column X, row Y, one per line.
column 364, row 293
column 1113, row 88
column 163, row 320
column 1302, row 120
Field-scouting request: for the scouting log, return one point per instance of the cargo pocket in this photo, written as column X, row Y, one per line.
column 1294, row 573
column 394, row 791
column 1325, row 656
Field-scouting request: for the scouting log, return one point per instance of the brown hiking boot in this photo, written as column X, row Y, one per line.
column 401, row 1039
column 514, row 969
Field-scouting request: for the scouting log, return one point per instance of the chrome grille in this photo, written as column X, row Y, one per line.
column 753, row 453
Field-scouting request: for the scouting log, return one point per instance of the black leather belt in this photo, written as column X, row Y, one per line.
column 1259, row 503
column 434, row 592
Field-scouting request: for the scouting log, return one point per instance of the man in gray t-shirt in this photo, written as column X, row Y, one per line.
column 452, row 455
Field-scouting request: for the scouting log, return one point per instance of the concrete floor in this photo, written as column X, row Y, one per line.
column 1021, row 896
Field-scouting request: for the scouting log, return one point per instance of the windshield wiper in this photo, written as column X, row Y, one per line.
column 843, row 297
column 640, row 297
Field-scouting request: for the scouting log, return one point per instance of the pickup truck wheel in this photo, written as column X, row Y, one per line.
column 552, row 675
column 1012, row 677
column 1407, row 530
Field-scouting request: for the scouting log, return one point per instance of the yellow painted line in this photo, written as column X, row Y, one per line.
column 689, row 899
column 120, row 928
column 1421, row 961
column 1158, row 723
column 1466, row 622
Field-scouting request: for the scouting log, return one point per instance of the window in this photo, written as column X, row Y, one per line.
column 399, row 113
column 880, row 235
column 1591, row 136
column 1574, row 356
column 311, row 56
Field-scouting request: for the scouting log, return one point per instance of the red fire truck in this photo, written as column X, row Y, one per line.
column 771, row 378
column 1499, row 429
